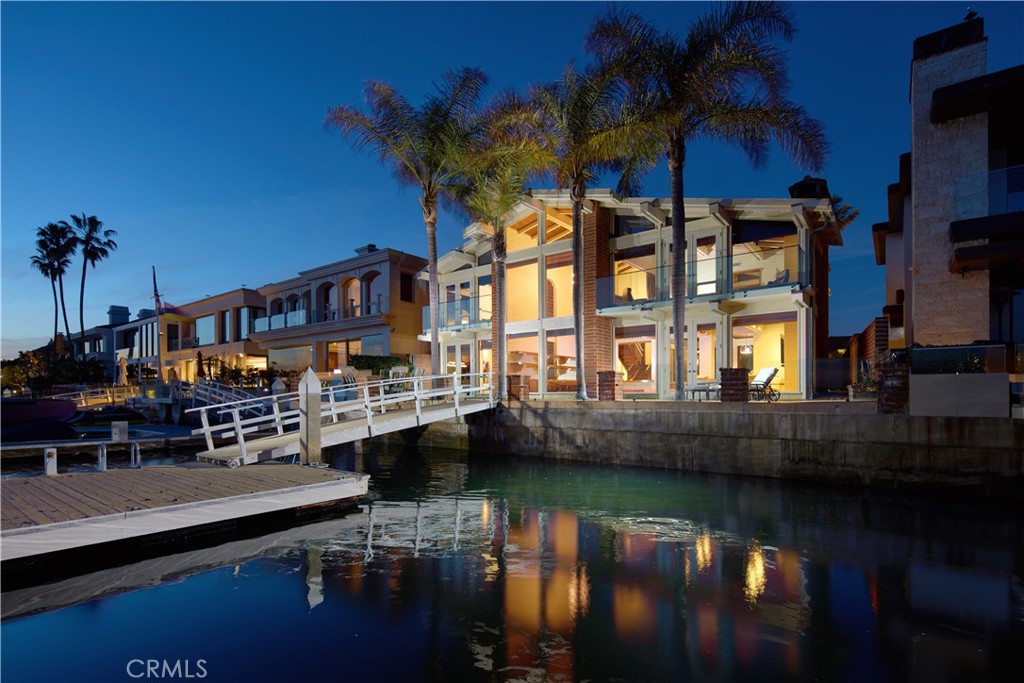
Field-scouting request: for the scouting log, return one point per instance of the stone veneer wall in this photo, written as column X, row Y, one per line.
column 949, row 171
column 843, row 443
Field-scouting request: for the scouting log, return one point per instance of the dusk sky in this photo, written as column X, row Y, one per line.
column 196, row 131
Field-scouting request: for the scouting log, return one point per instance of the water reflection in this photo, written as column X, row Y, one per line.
column 480, row 569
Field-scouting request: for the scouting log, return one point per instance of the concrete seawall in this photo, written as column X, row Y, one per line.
column 836, row 442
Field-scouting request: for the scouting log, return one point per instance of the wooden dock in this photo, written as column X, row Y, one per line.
column 42, row 515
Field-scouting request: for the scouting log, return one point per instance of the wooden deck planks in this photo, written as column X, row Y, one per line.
column 38, row 501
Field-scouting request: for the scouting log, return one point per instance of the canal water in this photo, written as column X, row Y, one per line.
column 485, row 568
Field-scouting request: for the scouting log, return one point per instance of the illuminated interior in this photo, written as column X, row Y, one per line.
column 763, row 341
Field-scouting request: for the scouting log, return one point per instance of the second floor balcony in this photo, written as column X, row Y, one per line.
column 747, row 271
column 470, row 311
column 300, row 317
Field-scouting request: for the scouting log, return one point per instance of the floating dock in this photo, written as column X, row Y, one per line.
column 50, row 516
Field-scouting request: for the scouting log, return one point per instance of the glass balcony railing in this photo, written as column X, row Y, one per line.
column 468, row 311
column 319, row 315
column 749, row 268
column 1002, row 191
column 634, row 285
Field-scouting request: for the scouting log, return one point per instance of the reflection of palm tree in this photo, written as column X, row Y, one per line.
column 425, row 146
column 726, row 82
column 588, row 130
column 55, row 245
column 97, row 243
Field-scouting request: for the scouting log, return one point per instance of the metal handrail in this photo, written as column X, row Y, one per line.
column 371, row 397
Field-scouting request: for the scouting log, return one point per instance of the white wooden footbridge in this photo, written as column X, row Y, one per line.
column 316, row 416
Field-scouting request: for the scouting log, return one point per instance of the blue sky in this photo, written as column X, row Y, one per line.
column 196, row 131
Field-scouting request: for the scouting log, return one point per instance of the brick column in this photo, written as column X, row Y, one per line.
column 893, row 389
column 735, row 386
column 597, row 330
column 519, row 387
column 609, row 385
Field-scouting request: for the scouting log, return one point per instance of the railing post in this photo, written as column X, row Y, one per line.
column 417, row 390
column 204, row 418
column 309, row 418
column 239, row 437
column 456, row 386
column 277, row 416
column 368, row 408
column 334, row 412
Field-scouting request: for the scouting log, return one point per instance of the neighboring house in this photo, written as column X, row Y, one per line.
column 953, row 246
column 757, row 290
column 100, row 342
column 217, row 326
column 369, row 304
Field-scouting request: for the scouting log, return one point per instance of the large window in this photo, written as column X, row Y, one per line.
column 558, row 285
column 521, row 279
column 635, row 274
column 523, row 357
column 764, row 253
column 295, row 358
column 634, row 353
column 373, row 344
column 205, row 331
column 768, row 341
column 561, row 353
column 706, row 265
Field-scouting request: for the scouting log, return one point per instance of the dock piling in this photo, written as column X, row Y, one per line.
column 50, row 461
column 101, row 458
column 309, row 418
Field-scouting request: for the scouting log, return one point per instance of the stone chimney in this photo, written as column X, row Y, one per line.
column 118, row 315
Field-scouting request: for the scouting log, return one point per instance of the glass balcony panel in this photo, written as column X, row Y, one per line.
column 261, row 324
column 463, row 312
column 634, row 285
column 296, row 318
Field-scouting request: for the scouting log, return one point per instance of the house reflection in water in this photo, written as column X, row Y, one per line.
column 566, row 595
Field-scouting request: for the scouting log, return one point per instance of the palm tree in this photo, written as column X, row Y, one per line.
column 55, row 245
column 589, row 128
column 97, row 243
column 726, row 82
column 844, row 213
column 42, row 262
column 492, row 185
column 425, row 147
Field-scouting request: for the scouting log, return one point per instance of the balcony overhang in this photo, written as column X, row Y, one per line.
column 322, row 331
column 982, row 256
column 999, row 90
column 987, row 227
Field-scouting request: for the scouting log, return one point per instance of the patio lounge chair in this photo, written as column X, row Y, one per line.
column 760, row 386
column 398, row 372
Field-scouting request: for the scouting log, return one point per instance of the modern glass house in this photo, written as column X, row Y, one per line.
column 756, row 290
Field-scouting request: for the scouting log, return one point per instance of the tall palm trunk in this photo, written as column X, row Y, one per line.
column 577, row 290
column 429, row 205
column 64, row 311
column 500, row 354
column 56, row 310
column 676, row 161
column 81, row 308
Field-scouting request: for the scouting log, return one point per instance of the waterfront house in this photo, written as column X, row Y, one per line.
column 953, row 247
column 756, row 292
column 368, row 304
column 954, row 242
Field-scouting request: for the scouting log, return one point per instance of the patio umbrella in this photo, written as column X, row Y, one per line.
column 201, row 372
column 122, row 371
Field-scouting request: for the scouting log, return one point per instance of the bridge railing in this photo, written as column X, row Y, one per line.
column 99, row 396
column 280, row 411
